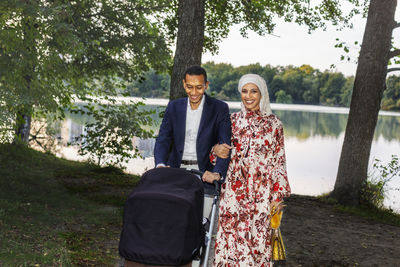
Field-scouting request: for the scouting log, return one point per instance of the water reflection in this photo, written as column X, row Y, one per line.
column 313, row 146
column 304, row 125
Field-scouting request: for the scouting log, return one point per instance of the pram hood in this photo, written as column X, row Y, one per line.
column 162, row 222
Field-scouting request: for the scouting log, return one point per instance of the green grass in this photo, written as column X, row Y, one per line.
column 55, row 212
column 382, row 215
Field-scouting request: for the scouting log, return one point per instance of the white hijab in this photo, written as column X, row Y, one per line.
column 265, row 107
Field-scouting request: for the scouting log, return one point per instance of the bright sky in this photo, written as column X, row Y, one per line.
column 292, row 45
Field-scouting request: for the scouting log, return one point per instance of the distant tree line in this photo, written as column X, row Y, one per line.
column 289, row 84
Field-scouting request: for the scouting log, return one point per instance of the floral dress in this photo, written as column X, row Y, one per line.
column 256, row 176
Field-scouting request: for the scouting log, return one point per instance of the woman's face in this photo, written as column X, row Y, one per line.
column 251, row 96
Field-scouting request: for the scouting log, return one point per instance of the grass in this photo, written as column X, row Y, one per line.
column 55, row 212
column 382, row 215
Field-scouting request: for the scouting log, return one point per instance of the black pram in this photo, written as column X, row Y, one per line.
column 163, row 219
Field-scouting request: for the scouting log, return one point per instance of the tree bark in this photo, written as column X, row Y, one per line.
column 368, row 89
column 23, row 127
column 189, row 43
column 23, row 119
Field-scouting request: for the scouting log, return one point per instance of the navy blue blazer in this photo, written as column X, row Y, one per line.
column 214, row 128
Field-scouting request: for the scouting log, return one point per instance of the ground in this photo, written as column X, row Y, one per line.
column 317, row 234
column 55, row 212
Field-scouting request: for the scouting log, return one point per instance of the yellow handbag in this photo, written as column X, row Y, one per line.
column 278, row 249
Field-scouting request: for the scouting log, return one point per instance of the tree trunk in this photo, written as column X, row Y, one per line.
column 23, row 127
column 23, row 116
column 365, row 103
column 189, row 43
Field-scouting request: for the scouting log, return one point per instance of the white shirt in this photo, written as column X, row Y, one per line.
column 193, row 117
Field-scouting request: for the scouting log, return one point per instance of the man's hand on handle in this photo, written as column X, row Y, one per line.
column 210, row 177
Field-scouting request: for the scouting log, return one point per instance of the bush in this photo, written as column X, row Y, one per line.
column 108, row 140
column 375, row 188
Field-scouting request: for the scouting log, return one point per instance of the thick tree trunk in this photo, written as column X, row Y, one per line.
column 365, row 103
column 189, row 44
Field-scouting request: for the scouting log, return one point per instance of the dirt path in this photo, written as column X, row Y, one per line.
column 315, row 234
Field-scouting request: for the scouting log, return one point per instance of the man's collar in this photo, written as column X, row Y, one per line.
column 203, row 99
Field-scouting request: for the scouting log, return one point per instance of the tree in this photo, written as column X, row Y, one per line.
column 202, row 24
column 365, row 102
column 331, row 89
column 108, row 139
column 282, row 97
column 277, row 84
column 346, row 92
column 189, row 43
column 391, row 96
column 154, row 85
column 51, row 51
column 219, row 75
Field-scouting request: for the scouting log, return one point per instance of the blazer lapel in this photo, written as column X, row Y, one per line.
column 181, row 124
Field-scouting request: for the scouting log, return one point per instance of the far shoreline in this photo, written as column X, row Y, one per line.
column 236, row 105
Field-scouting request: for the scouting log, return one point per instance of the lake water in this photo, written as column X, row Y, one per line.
column 313, row 142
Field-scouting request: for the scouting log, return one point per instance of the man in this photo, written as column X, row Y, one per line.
column 191, row 127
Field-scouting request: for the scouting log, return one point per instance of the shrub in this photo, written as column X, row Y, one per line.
column 375, row 188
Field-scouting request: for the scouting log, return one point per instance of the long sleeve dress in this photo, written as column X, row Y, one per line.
column 256, row 176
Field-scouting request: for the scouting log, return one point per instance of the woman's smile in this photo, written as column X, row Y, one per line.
column 251, row 96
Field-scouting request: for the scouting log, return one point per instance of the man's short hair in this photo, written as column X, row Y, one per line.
column 195, row 70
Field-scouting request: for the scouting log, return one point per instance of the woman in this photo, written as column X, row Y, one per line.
column 256, row 180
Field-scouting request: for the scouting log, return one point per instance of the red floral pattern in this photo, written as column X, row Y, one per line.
column 256, row 176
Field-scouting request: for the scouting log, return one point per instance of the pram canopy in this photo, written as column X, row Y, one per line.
column 162, row 222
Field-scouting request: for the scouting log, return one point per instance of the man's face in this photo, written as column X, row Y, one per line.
column 195, row 86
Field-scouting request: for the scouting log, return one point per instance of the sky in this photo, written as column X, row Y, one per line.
column 290, row 44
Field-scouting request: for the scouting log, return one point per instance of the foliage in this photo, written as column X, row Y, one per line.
column 304, row 85
column 108, row 137
column 391, row 96
column 259, row 16
column 153, row 85
column 51, row 51
column 282, row 97
column 375, row 187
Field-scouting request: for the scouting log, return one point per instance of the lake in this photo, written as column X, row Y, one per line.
column 313, row 142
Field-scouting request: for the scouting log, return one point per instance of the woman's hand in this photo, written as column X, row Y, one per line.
column 222, row 150
column 279, row 205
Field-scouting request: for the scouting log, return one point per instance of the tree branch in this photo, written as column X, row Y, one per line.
column 392, row 69
column 394, row 53
column 396, row 25
column 138, row 9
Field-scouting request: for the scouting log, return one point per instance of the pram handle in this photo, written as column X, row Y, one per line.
column 194, row 171
column 216, row 184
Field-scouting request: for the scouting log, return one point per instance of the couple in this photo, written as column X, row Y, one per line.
column 197, row 128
